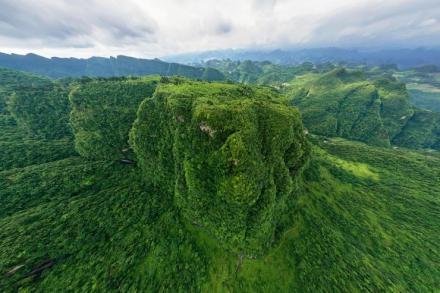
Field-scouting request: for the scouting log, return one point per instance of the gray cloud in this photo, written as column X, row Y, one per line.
column 74, row 23
column 223, row 28
column 151, row 28
column 391, row 23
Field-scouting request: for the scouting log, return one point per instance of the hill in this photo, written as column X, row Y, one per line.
column 266, row 73
column 423, row 87
column 359, row 223
column 346, row 103
column 185, row 186
column 103, row 67
column 34, row 120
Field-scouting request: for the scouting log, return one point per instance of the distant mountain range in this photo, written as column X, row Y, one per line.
column 103, row 67
column 174, row 65
column 403, row 58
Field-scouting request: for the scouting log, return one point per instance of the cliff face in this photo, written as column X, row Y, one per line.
column 231, row 155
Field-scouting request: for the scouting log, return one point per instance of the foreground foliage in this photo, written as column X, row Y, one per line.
column 226, row 194
column 365, row 220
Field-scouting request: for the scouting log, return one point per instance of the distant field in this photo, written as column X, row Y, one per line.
column 425, row 87
column 425, row 96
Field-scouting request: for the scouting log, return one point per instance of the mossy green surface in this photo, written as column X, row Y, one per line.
column 230, row 154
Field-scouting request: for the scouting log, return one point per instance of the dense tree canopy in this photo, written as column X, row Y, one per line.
column 37, row 104
column 231, row 155
column 103, row 112
column 229, row 193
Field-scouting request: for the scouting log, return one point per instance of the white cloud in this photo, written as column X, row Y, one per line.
column 150, row 28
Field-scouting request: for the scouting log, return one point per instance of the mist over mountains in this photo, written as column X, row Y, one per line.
column 180, row 64
column 403, row 58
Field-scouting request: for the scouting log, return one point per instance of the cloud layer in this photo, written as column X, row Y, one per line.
column 148, row 28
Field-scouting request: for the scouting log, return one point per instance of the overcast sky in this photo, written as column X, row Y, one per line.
column 153, row 28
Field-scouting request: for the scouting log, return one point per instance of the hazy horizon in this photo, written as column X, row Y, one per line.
column 148, row 29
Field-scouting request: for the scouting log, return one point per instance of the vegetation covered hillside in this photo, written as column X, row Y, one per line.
column 103, row 67
column 103, row 111
column 365, row 220
column 377, row 111
column 185, row 186
column 34, row 120
column 266, row 73
column 231, row 154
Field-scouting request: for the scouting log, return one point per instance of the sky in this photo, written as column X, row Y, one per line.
column 155, row 28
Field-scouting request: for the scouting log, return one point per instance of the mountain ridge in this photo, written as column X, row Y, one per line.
column 403, row 58
column 120, row 65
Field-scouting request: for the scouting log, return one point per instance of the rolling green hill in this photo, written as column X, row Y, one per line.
column 377, row 111
column 173, row 185
column 266, row 73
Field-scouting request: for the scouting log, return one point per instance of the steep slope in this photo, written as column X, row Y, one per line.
column 231, row 154
column 38, row 104
column 347, row 104
column 12, row 80
column 365, row 220
column 358, row 218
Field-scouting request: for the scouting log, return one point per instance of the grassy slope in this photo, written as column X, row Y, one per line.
column 366, row 219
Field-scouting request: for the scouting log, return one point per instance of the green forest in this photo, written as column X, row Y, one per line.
column 245, row 177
